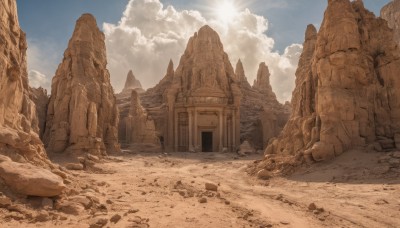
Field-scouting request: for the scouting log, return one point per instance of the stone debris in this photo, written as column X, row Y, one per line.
column 211, row 187
column 30, row 180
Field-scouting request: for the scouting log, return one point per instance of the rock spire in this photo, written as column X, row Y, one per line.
column 82, row 114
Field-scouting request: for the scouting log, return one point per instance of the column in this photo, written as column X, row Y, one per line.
column 233, row 131
column 190, row 112
column 195, row 129
column 221, row 130
column 176, row 136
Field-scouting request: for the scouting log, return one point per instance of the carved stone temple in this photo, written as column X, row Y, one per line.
column 197, row 107
column 204, row 98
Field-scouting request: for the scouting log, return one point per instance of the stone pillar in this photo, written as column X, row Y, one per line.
column 190, row 124
column 176, row 136
column 234, row 131
column 221, row 130
column 225, row 134
column 170, row 133
column 237, row 127
column 195, row 129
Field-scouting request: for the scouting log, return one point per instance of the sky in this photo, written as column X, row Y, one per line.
column 143, row 35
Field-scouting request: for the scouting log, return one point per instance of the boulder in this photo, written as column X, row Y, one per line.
column 30, row 180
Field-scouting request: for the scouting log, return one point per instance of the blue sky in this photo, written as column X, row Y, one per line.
column 49, row 25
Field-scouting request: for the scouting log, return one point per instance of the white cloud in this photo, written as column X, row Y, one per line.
column 37, row 79
column 42, row 62
column 149, row 34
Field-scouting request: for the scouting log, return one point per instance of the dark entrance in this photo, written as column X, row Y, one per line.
column 207, row 141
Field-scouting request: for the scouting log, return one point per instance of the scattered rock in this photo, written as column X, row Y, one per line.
column 264, row 174
column 211, row 187
column 115, row 218
column 47, row 203
column 5, row 202
column 98, row 223
column 71, row 208
column 312, row 207
column 203, row 200
column 30, row 180
column 74, row 166
column 42, row 216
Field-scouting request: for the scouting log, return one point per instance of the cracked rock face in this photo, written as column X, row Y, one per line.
column 82, row 115
column 19, row 129
column 338, row 106
column 391, row 13
column 262, row 116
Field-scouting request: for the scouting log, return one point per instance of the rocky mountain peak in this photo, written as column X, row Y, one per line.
column 131, row 82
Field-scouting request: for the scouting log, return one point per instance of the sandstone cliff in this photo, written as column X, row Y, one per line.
column 41, row 99
column 346, row 92
column 391, row 13
column 82, row 114
column 154, row 100
column 262, row 117
column 135, row 126
column 19, row 137
column 140, row 126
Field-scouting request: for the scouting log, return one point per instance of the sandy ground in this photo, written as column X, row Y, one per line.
column 159, row 190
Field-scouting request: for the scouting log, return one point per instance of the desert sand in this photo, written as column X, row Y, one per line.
column 164, row 190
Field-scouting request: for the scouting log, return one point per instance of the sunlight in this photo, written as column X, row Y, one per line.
column 226, row 11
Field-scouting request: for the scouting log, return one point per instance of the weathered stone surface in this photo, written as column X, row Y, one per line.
column 28, row 179
column 338, row 106
column 82, row 115
column 391, row 13
column 140, row 126
column 154, row 101
column 262, row 117
column 19, row 137
column 41, row 99
column 136, row 126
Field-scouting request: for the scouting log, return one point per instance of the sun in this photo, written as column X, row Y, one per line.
column 226, row 11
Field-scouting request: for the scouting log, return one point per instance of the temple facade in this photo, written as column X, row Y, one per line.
column 203, row 100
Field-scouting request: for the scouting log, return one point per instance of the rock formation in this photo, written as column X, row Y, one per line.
column 338, row 106
column 391, row 13
column 154, row 100
column 204, row 98
column 262, row 116
column 262, row 83
column 40, row 98
column 140, row 126
column 82, row 114
column 132, row 83
column 19, row 137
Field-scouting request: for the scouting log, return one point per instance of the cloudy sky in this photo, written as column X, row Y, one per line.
column 143, row 35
